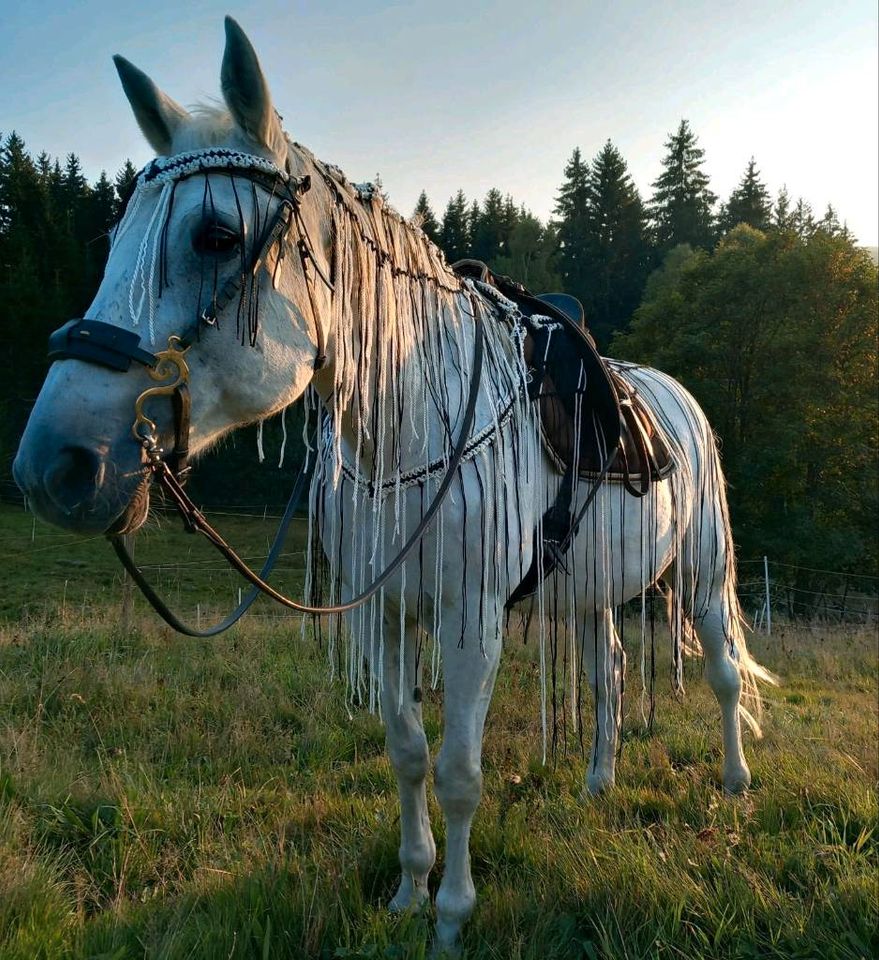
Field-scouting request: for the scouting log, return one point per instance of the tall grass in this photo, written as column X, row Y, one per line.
column 162, row 797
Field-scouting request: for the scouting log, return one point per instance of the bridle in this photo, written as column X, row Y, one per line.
column 116, row 348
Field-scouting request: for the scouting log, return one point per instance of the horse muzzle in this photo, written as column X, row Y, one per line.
column 80, row 486
column 77, row 463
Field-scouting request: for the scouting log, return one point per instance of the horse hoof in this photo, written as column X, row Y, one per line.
column 442, row 950
column 597, row 784
column 736, row 782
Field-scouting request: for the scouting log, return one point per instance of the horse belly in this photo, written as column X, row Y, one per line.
column 622, row 546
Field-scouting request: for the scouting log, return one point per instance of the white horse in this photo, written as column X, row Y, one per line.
column 399, row 330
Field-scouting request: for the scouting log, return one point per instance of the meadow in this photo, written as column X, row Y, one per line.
column 163, row 797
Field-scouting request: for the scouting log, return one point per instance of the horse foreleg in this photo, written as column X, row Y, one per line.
column 469, row 681
column 606, row 666
column 410, row 758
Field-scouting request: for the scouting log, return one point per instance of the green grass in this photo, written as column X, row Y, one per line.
column 58, row 573
column 164, row 797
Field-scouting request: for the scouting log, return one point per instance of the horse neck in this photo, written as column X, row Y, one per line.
column 399, row 378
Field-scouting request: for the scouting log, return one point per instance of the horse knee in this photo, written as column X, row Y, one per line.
column 409, row 755
column 458, row 783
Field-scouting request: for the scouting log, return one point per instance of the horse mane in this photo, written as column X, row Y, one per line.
column 399, row 239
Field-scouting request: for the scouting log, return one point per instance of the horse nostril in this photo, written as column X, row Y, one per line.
column 76, row 476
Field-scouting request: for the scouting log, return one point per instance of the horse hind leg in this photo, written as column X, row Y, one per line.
column 728, row 665
column 717, row 631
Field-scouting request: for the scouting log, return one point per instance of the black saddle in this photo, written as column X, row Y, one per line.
column 594, row 426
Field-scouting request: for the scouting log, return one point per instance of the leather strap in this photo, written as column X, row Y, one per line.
column 97, row 342
column 247, row 601
column 181, row 401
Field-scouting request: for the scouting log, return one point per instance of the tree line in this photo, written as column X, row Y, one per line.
column 765, row 311
column 604, row 240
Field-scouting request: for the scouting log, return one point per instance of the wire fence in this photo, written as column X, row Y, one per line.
column 789, row 591
column 771, row 591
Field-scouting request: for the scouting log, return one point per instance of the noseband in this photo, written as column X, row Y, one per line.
column 116, row 348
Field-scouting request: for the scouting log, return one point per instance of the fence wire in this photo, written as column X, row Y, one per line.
column 793, row 591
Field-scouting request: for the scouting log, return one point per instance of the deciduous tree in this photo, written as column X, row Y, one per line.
column 776, row 336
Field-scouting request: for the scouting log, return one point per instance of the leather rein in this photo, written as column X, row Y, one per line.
column 116, row 348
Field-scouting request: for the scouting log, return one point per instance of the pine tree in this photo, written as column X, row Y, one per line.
column 454, row 234
column 122, row 181
column 571, row 208
column 682, row 203
column 44, row 167
column 474, row 214
column 749, row 203
column 27, row 268
column 509, row 222
column 802, row 221
column 99, row 214
column 488, row 230
column 829, row 223
column 782, row 216
column 378, row 188
column 423, row 215
column 615, row 252
column 19, row 183
column 74, row 182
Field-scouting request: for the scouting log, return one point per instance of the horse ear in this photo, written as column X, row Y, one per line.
column 246, row 92
column 157, row 115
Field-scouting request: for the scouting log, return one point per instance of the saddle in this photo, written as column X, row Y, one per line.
column 594, row 425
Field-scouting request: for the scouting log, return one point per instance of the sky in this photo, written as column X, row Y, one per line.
column 438, row 96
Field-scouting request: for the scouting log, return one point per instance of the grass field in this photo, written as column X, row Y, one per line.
column 162, row 797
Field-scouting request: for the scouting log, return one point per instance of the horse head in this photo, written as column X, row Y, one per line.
column 215, row 293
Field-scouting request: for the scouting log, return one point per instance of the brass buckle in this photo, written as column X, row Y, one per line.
column 171, row 366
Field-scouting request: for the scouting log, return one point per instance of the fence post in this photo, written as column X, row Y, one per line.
column 768, row 606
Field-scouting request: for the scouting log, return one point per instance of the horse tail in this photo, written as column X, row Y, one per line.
column 709, row 542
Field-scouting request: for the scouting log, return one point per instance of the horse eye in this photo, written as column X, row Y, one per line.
column 214, row 239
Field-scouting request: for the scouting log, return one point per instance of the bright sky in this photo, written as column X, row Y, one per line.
column 479, row 94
